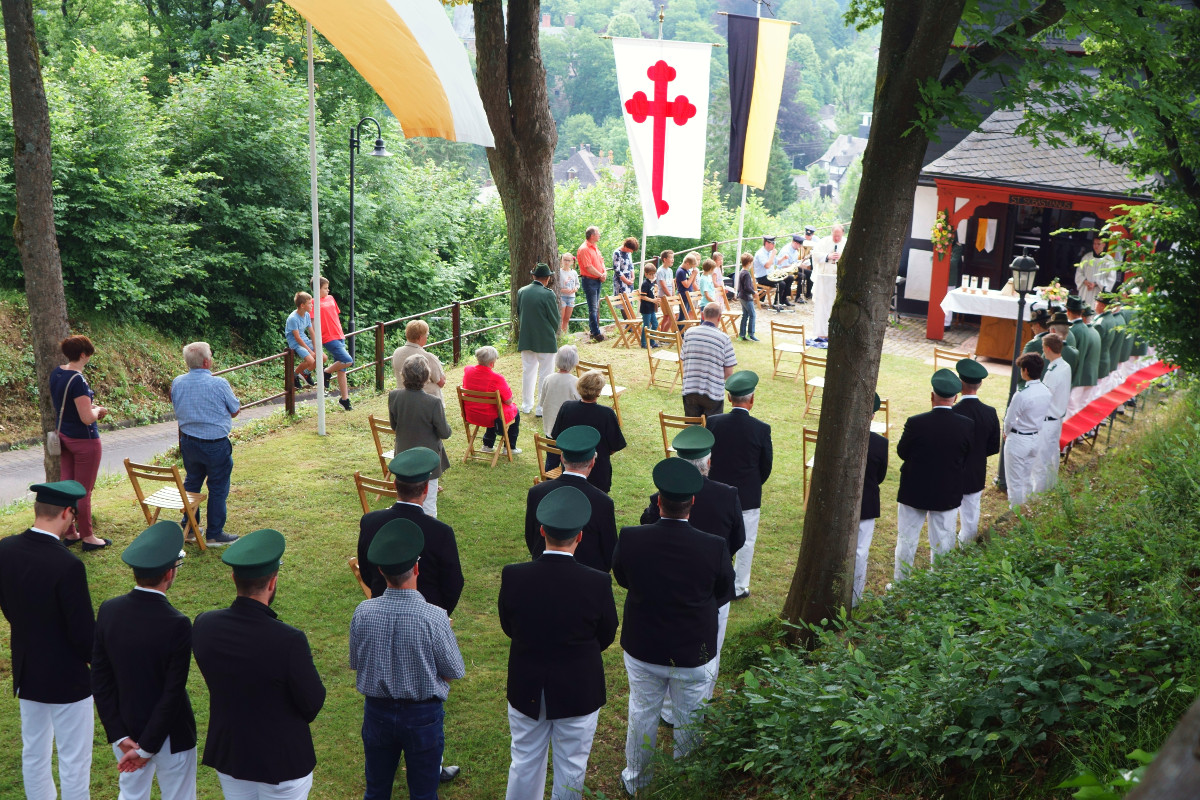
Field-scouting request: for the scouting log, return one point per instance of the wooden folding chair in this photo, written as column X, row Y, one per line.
column 810, row 437
column 353, row 562
column 384, row 435
column 814, row 380
column 782, row 345
column 666, row 314
column 675, row 422
column 952, row 356
column 373, row 486
column 684, row 317
column 543, row 446
column 666, row 355
column 628, row 328
column 611, row 389
column 627, row 299
column 730, row 319
column 172, row 497
column 472, row 430
column 885, row 427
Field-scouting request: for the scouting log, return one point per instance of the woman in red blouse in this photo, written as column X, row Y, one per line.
column 482, row 378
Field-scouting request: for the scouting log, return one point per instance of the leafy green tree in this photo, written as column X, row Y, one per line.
column 644, row 11
column 848, row 190
column 577, row 130
column 813, row 73
column 780, row 191
column 625, row 25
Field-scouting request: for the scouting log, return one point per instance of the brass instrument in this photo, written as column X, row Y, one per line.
column 779, row 274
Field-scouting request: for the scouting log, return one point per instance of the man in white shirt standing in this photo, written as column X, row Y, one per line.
column 1057, row 379
column 1027, row 410
column 825, row 260
column 1096, row 271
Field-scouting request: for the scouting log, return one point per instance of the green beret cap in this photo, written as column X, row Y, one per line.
column 415, row 464
column 65, row 494
column 397, row 546
column 1074, row 303
column 971, row 370
column 945, row 383
column 578, row 444
column 255, row 555
column 542, row 270
column 741, row 383
column 564, row 512
column 155, row 550
column 693, row 442
column 877, row 403
column 676, row 479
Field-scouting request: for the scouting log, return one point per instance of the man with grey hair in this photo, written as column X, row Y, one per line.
column 716, row 509
column 204, row 408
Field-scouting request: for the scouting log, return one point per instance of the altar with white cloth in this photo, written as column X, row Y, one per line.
column 997, row 319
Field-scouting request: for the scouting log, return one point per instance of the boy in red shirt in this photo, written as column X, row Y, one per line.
column 334, row 340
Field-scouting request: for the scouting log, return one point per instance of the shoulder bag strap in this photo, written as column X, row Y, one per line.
column 63, row 407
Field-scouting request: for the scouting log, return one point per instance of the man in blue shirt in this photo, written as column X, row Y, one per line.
column 205, row 407
column 764, row 262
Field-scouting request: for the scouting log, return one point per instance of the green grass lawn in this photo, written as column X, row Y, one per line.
column 302, row 484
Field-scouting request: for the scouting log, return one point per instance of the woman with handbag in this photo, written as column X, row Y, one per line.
column 78, row 435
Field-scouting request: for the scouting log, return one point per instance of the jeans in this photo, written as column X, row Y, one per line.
column 212, row 460
column 591, row 290
column 649, row 323
column 414, row 729
column 489, row 435
column 748, row 312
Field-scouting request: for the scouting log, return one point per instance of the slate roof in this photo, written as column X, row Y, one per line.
column 587, row 166
column 996, row 155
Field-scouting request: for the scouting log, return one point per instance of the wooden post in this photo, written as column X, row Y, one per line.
column 379, row 332
column 289, row 382
column 456, row 331
column 712, row 248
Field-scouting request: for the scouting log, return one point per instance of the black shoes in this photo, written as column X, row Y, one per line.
column 448, row 774
column 89, row 547
column 310, row 379
column 345, row 403
column 326, row 376
column 742, row 595
column 296, row 379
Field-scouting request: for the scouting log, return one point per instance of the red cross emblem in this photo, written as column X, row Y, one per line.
column 640, row 108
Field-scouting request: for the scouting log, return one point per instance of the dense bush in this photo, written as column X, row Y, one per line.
column 1074, row 637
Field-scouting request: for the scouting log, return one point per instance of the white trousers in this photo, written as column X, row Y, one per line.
column 866, row 532
column 824, row 290
column 176, row 775
column 1046, row 477
column 430, row 504
column 238, row 789
column 909, row 521
column 648, row 685
column 571, row 738
column 714, row 666
column 1021, row 457
column 535, row 368
column 745, row 554
column 968, row 517
column 1079, row 399
column 69, row 726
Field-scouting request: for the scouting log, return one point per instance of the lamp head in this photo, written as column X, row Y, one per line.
column 1024, row 270
column 380, row 150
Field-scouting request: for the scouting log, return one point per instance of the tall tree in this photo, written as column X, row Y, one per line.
column 512, row 85
column 34, row 226
column 915, row 89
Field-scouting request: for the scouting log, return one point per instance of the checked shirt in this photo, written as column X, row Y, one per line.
column 402, row 647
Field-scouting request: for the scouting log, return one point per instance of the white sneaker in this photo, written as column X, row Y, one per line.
column 525, row 410
column 486, row 449
column 538, row 412
column 516, row 451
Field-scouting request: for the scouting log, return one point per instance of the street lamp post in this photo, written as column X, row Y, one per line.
column 1024, row 273
column 355, row 136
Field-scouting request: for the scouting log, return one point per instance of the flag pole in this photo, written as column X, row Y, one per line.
column 316, row 236
column 742, row 207
column 662, row 15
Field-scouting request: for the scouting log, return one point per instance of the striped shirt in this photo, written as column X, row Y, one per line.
column 204, row 404
column 402, row 648
column 706, row 353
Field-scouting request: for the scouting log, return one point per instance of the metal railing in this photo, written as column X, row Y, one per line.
column 381, row 359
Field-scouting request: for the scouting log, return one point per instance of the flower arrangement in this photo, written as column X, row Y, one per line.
column 942, row 234
column 1055, row 292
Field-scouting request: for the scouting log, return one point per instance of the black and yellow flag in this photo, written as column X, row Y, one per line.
column 757, row 55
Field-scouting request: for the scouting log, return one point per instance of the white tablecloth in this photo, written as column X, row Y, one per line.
column 992, row 304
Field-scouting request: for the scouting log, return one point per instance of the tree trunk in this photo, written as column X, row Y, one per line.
column 914, row 43
column 34, row 226
column 1175, row 772
column 512, row 85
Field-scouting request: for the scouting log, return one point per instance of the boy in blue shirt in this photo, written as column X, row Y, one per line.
column 294, row 329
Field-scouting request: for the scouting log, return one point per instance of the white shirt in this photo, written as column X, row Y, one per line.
column 47, row 533
column 1028, row 409
column 1057, row 379
column 821, row 263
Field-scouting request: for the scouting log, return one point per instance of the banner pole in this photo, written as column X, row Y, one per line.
column 316, row 237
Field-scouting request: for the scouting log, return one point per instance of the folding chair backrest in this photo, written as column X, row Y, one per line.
column 808, row 453
column 814, row 380
column 675, row 422
column 472, row 429
column 885, row 427
column 627, row 302
column 628, row 327
column 544, row 446
column 385, row 441
column 171, row 496
column 666, row 340
column 372, row 489
column 952, row 357
column 353, row 563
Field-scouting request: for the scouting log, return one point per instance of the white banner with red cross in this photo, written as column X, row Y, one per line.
column 664, row 99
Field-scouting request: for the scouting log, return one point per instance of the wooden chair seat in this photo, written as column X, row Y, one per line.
column 882, row 428
column 787, row 340
column 172, row 497
column 665, row 356
column 790, row 347
column 813, row 369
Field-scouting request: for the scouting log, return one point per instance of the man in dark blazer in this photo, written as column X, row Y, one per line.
column 44, row 597
column 934, row 448
column 440, row 580
column 140, row 665
column 560, row 615
column 875, row 473
column 741, row 457
column 674, row 574
column 716, row 509
column 263, row 686
column 578, row 445
column 985, row 442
